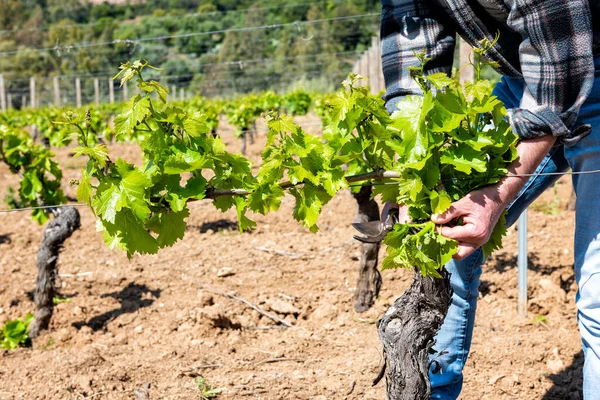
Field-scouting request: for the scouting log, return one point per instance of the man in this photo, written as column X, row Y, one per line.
column 546, row 54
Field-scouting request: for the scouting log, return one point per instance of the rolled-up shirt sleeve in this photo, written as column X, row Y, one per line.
column 557, row 63
column 409, row 26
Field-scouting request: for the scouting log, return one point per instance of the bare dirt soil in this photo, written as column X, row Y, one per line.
column 145, row 329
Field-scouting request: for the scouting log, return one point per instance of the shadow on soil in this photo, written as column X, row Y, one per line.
column 216, row 226
column 567, row 383
column 503, row 262
column 131, row 301
column 5, row 238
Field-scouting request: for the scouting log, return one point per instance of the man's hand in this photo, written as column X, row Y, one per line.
column 471, row 220
column 481, row 209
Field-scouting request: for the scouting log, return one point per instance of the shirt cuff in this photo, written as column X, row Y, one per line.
column 542, row 121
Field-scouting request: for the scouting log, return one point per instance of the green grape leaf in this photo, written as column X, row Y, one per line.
column 464, row 159
column 129, row 234
column 185, row 159
column 310, row 200
column 195, row 125
column 495, row 242
column 133, row 186
column 170, row 226
column 440, row 201
column 244, row 223
column 266, row 198
column 134, row 112
column 388, row 191
column 107, row 204
column 151, row 86
column 98, row 152
column 85, row 190
column 440, row 80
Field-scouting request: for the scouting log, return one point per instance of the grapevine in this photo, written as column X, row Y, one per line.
column 39, row 174
column 438, row 147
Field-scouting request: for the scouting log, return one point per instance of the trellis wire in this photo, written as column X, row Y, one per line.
column 287, row 185
column 59, row 48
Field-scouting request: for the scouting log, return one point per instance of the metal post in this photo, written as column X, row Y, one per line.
column 2, row 94
column 522, row 263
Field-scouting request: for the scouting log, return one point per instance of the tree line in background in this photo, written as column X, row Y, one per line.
column 201, row 42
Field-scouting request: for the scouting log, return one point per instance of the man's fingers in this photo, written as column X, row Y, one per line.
column 447, row 216
column 465, row 250
column 458, row 232
column 464, row 233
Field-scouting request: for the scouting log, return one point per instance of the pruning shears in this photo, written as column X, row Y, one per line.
column 375, row 231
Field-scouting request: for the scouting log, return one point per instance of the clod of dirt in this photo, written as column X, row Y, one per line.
column 84, row 383
column 282, row 307
column 552, row 290
column 325, row 311
column 63, row 335
column 206, row 300
column 217, row 317
column 554, row 363
column 225, row 272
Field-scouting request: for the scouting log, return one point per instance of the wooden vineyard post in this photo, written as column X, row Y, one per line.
column 56, row 91
column 23, row 101
column 362, row 63
column 2, row 94
column 32, row 94
column 467, row 72
column 9, row 102
column 374, row 65
column 182, row 94
column 97, row 91
column 125, row 92
column 380, row 66
column 111, row 91
column 78, row 92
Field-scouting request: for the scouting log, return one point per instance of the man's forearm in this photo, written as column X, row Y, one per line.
column 531, row 153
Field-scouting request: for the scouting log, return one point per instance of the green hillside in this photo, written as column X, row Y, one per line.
column 216, row 47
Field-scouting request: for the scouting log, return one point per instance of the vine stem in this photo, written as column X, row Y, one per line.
column 377, row 175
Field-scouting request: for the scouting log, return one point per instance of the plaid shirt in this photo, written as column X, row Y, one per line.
column 549, row 43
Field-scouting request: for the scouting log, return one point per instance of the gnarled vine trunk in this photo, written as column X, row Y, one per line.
column 406, row 331
column 66, row 221
column 253, row 132
column 369, row 278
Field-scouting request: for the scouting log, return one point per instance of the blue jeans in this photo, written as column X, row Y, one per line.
column 453, row 341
